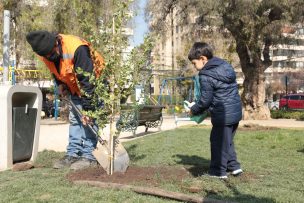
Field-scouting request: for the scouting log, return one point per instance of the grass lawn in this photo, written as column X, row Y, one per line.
column 273, row 161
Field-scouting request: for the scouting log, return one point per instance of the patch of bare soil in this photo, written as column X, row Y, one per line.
column 145, row 180
column 151, row 176
column 255, row 127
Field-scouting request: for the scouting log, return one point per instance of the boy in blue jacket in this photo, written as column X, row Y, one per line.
column 219, row 95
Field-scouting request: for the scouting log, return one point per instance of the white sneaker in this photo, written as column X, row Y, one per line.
column 237, row 172
column 214, row 176
column 219, row 177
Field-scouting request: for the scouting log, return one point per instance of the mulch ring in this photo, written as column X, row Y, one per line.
column 152, row 176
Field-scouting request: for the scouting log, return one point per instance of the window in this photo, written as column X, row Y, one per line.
column 299, row 64
column 276, row 64
column 288, row 64
column 300, row 31
column 293, row 41
column 294, row 97
column 288, row 52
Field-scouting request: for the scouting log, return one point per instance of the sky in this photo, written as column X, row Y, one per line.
column 140, row 26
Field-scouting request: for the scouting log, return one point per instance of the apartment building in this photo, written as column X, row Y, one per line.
column 288, row 61
column 169, row 51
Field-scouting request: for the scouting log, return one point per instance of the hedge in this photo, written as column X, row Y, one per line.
column 298, row 115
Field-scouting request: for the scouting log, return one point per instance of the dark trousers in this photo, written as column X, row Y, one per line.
column 223, row 155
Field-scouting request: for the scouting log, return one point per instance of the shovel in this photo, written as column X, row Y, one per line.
column 102, row 152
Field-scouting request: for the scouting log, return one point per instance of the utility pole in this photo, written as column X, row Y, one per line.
column 6, row 45
column 286, row 84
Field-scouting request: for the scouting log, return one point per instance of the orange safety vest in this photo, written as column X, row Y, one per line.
column 67, row 73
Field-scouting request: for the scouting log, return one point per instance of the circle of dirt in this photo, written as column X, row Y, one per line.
column 152, row 176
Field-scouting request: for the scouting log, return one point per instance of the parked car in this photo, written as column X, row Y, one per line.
column 292, row 101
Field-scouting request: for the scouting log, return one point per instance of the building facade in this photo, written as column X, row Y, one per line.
column 288, row 62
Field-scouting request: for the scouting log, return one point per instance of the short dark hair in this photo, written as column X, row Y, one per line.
column 200, row 49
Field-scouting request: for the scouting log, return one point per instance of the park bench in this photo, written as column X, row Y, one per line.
column 131, row 117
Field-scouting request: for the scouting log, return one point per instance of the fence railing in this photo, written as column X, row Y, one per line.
column 22, row 74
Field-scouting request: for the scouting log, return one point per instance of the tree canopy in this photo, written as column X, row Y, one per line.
column 255, row 25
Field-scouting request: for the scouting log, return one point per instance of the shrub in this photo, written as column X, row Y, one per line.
column 301, row 118
column 299, row 115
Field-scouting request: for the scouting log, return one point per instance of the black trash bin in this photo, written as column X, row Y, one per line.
column 24, row 122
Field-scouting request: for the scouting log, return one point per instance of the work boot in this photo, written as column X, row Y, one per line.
column 83, row 163
column 65, row 162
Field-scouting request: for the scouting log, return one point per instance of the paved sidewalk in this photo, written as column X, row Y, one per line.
column 54, row 134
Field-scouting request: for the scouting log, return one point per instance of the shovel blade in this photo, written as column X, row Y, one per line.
column 121, row 157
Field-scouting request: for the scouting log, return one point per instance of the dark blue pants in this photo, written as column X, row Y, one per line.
column 223, row 155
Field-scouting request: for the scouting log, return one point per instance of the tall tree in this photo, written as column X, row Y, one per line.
column 81, row 18
column 256, row 25
column 25, row 17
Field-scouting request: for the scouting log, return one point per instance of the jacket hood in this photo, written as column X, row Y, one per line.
column 219, row 69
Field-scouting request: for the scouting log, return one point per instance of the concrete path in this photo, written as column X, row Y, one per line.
column 54, row 134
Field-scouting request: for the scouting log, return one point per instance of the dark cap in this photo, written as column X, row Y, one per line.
column 42, row 42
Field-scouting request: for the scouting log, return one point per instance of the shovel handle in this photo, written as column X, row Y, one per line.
column 79, row 114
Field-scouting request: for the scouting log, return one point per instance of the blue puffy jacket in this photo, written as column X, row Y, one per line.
column 219, row 93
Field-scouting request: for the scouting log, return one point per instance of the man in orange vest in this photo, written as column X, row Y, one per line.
column 63, row 54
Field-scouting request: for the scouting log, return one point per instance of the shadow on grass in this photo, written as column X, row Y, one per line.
column 301, row 150
column 239, row 197
column 132, row 153
column 196, row 165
